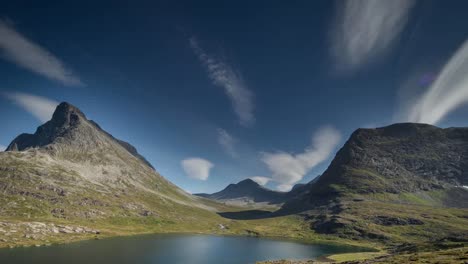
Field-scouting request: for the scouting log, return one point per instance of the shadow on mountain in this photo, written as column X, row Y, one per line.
column 247, row 215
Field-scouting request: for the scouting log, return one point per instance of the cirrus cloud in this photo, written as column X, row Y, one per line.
column 365, row 30
column 197, row 168
column 288, row 169
column 445, row 94
column 225, row 76
column 227, row 142
column 40, row 107
column 31, row 56
column 2, row 148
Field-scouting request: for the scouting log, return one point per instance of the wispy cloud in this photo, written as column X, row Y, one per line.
column 29, row 55
column 284, row 187
column 445, row 94
column 366, row 30
column 197, row 168
column 231, row 80
column 227, row 142
column 40, row 107
column 2, row 148
column 261, row 180
column 288, row 169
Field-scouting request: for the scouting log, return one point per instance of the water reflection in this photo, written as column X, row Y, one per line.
column 173, row 249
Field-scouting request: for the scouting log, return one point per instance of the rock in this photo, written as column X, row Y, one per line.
column 146, row 213
column 252, row 233
column 66, row 230
column 390, row 221
column 58, row 212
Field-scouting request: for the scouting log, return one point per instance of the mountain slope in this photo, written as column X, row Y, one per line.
column 247, row 192
column 396, row 184
column 71, row 141
column 71, row 180
column 72, row 171
column 400, row 158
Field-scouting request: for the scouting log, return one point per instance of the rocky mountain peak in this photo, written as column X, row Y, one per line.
column 248, row 183
column 70, row 131
column 67, row 114
column 64, row 119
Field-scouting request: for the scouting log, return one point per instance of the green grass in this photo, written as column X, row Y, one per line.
column 27, row 194
column 355, row 256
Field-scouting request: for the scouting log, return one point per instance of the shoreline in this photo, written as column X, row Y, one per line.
column 111, row 232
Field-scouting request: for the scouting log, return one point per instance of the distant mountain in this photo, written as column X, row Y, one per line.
column 400, row 158
column 247, row 192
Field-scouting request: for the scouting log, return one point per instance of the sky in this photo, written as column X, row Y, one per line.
column 215, row 92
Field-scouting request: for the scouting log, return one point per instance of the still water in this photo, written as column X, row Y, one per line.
column 172, row 249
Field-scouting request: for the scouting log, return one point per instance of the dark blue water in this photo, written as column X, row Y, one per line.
column 172, row 249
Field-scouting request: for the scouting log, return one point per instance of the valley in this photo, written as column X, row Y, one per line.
column 397, row 189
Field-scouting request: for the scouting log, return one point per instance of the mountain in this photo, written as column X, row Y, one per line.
column 396, row 184
column 400, row 158
column 69, row 126
column 246, row 192
column 397, row 187
column 72, row 171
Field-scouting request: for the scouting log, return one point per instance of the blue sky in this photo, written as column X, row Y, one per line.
column 214, row 92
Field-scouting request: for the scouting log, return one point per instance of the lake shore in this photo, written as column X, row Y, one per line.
column 19, row 233
column 165, row 248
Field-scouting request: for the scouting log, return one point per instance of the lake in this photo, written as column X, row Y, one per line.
column 171, row 248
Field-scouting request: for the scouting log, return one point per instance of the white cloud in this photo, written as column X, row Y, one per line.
column 260, row 180
column 365, row 30
column 40, row 107
column 231, row 80
column 29, row 55
column 288, row 169
column 284, row 187
column 227, row 142
column 2, row 148
column 197, row 168
column 446, row 93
